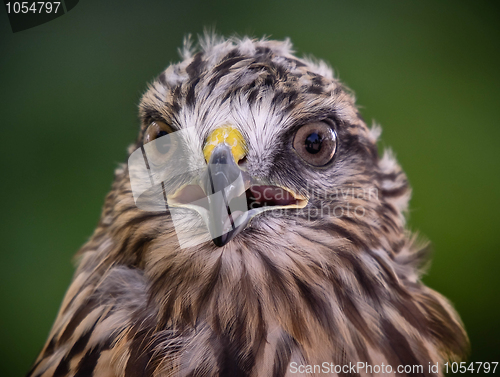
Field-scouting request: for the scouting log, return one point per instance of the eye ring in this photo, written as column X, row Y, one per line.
column 315, row 143
column 154, row 132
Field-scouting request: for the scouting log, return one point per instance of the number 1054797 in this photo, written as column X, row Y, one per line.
column 33, row 7
column 472, row 367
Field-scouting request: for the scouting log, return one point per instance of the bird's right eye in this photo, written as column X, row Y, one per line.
column 155, row 131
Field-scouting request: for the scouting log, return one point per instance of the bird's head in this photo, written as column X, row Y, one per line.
column 245, row 142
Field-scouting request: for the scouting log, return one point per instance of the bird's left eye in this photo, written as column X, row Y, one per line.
column 155, row 131
column 315, row 143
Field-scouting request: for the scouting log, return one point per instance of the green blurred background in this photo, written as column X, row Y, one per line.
column 427, row 71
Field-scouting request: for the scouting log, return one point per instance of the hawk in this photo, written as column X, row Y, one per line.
column 254, row 231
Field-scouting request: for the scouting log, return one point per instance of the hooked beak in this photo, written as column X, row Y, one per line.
column 224, row 184
column 227, row 197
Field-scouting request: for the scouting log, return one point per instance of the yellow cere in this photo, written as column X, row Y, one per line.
column 229, row 135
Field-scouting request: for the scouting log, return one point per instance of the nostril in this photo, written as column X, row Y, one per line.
column 242, row 162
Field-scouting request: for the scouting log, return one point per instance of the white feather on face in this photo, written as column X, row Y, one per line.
column 293, row 286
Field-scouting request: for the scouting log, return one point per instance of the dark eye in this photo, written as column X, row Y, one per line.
column 315, row 143
column 155, row 132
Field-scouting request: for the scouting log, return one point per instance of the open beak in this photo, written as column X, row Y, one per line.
column 226, row 196
column 225, row 185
